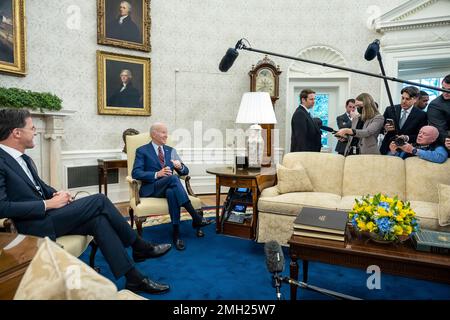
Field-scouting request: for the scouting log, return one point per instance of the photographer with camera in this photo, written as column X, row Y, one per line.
column 427, row 147
column 403, row 119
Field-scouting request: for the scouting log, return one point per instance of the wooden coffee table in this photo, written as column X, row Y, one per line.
column 401, row 259
column 14, row 262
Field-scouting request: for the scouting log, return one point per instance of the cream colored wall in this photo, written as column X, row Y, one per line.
column 190, row 36
column 188, row 40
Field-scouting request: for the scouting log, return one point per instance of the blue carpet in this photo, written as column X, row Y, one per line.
column 219, row 267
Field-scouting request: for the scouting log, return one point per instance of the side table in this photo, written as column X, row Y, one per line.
column 103, row 166
column 256, row 181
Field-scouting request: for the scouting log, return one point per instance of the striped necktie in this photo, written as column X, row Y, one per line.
column 161, row 156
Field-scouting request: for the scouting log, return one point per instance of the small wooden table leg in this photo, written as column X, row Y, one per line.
column 100, row 179
column 218, row 225
column 293, row 266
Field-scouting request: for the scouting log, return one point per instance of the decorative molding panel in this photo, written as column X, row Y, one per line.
column 321, row 54
column 415, row 14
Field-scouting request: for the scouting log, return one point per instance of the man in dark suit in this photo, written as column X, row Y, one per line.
column 439, row 111
column 407, row 119
column 38, row 209
column 123, row 27
column 154, row 166
column 422, row 100
column 305, row 134
column 127, row 95
column 345, row 121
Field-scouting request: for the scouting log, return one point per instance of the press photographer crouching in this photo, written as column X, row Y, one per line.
column 426, row 146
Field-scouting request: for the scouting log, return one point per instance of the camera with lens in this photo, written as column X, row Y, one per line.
column 400, row 141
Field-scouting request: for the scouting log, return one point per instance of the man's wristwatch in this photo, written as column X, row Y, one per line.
column 414, row 151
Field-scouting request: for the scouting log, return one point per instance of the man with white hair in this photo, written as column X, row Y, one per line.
column 127, row 95
column 154, row 166
column 426, row 147
column 123, row 27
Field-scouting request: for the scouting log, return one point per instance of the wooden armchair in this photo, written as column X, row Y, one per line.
column 141, row 208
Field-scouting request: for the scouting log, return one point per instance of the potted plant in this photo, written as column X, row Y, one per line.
column 383, row 219
column 19, row 98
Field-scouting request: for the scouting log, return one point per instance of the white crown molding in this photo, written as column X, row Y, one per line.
column 397, row 19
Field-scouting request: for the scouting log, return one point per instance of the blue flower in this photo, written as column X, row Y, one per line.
column 354, row 223
column 384, row 225
column 384, row 205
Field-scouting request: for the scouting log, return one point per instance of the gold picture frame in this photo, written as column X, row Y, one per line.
column 123, row 84
column 127, row 27
column 12, row 37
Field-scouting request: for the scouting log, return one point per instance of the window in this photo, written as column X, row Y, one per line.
column 435, row 82
column 320, row 111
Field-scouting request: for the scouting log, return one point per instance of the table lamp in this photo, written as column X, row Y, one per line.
column 255, row 108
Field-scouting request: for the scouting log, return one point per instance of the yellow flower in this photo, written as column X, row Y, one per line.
column 370, row 226
column 407, row 229
column 362, row 225
column 399, row 218
column 398, row 230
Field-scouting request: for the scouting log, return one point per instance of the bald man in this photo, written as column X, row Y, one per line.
column 154, row 165
column 426, row 147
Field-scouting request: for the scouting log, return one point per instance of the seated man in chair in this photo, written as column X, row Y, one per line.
column 38, row 209
column 154, row 165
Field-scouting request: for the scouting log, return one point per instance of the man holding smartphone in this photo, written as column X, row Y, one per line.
column 403, row 119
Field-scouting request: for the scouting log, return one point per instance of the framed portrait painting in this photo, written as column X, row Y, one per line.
column 124, row 24
column 12, row 37
column 123, row 84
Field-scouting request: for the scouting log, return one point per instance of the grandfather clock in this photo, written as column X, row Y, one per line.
column 264, row 77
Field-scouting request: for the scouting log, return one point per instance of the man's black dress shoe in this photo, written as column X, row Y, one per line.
column 148, row 286
column 179, row 244
column 153, row 251
column 202, row 223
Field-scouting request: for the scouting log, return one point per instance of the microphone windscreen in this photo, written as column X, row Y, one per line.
column 372, row 50
column 228, row 59
column 274, row 257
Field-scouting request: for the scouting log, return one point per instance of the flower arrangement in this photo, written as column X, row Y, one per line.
column 389, row 219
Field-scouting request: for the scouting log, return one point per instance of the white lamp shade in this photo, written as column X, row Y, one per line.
column 256, row 107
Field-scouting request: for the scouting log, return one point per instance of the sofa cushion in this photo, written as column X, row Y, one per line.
column 293, row 179
column 426, row 213
column 372, row 174
column 55, row 274
column 423, row 177
column 291, row 203
column 444, row 205
column 347, row 203
column 324, row 169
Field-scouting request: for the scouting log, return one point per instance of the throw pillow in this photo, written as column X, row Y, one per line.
column 293, row 180
column 444, row 205
column 54, row 274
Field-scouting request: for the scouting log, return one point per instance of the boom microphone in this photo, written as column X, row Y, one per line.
column 228, row 59
column 372, row 50
column 274, row 257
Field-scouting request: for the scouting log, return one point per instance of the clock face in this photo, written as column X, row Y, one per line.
column 265, row 82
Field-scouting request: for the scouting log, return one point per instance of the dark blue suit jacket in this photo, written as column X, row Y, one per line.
column 146, row 164
column 20, row 201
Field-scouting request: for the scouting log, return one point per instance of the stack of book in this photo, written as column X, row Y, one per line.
column 321, row 223
column 432, row 241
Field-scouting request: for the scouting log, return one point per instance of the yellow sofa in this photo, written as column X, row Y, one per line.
column 338, row 180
